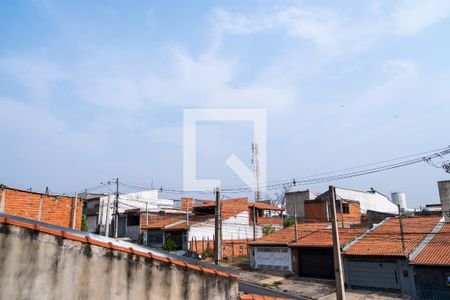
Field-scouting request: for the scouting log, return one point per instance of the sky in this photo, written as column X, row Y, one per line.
column 94, row 90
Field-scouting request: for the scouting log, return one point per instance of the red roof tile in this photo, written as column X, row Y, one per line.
column 261, row 297
column 286, row 235
column 437, row 252
column 385, row 240
column 163, row 223
column 324, row 237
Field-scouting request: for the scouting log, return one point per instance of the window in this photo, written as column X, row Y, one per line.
column 132, row 220
column 345, row 207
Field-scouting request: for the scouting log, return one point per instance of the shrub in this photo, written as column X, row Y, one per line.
column 170, row 245
column 268, row 229
column 288, row 222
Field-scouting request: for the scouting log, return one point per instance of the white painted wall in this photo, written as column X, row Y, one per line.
column 368, row 200
column 271, row 257
column 237, row 228
column 132, row 201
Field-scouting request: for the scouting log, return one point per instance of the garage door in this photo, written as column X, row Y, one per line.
column 377, row 275
column 316, row 263
column 272, row 258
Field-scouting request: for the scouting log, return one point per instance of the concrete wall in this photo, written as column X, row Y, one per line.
column 37, row 265
column 368, row 200
column 444, row 194
column 233, row 228
column 298, row 198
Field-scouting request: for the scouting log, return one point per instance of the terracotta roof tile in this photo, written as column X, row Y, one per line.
column 163, row 223
column 179, row 226
column 261, row 297
column 437, row 252
column 286, row 235
column 385, row 240
column 324, row 237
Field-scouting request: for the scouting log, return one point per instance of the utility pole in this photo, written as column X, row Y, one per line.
column 116, row 211
column 254, row 221
column 74, row 212
column 340, row 288
column 187, row 212
column 218, row 229
column 108, row 203
column 295, row 223
column 400, row 219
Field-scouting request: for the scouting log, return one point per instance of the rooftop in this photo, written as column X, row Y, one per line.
column 324, row 237
column 385, row 239
column 286, row 235
column 437, row 251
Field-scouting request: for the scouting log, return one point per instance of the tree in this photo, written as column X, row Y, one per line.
column 288, row 222
column 84, row 226
column 268, row 229
column 170, row 245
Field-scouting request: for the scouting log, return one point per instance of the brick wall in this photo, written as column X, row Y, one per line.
column 240, row 247
column 52, row 209
column 316, row 211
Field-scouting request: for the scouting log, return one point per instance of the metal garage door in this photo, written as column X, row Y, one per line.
column 272, row 258
column 316, row 262
column 378, row 275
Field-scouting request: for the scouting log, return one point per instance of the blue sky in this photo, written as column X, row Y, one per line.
column 92, row 90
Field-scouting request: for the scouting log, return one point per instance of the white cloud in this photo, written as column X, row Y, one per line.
column 414, row 16
column 37, row 75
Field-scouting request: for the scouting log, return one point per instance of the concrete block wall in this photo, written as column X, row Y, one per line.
column 38, row 265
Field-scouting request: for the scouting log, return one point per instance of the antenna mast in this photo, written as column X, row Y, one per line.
column 255, row 161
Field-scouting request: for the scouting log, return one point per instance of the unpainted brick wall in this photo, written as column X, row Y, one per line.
column 315, row 211
column 240, row 247
column 52, row 209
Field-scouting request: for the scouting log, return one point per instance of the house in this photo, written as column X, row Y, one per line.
column 348, row 212
column 135, row 209
column 44, row 261
column 195, row 231
column 55, row 209
column 310, row 256
column 431, row 265
column 295, row 202
column 307, row 202
column 380, row 258
column 431, row 260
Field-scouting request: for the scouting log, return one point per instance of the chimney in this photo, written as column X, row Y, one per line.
column 444, row 194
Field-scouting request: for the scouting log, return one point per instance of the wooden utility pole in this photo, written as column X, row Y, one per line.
column 116, row 211
column 218, row 230
column 295, row 223
column 339, row 275
column 400, row 219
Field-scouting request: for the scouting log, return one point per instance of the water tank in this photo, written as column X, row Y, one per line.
column 444, row 194
column 399, row 198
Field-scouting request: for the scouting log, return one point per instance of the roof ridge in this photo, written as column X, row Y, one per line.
column 426, row 240
column 349, row 245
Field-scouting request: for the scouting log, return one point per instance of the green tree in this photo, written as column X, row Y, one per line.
column 170, row 245
column 268, row 229
column 84, row 226
column 288, row 222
